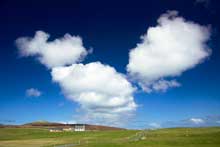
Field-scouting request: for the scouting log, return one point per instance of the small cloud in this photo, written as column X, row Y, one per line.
column 61, row 104
column 32, row 92
column 194, row 122
column 218, row 122
column 197, row 120
column 163, row 85
column 154, row 125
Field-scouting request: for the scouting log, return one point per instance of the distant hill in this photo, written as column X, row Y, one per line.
column 46, row 124
column 42, row 124
column 102, row 128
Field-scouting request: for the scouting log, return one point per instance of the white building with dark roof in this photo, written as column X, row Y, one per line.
column 79, row 127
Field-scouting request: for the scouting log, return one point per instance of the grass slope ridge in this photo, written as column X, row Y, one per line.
column 175, row 137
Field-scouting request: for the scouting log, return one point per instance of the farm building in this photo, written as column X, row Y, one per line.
column 75, row 127
column 56, row 130
column 68, row 129
column 79, row 127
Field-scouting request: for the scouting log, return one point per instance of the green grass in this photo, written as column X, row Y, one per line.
column 176, row 137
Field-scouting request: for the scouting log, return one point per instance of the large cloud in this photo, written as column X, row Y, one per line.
column 102, row 92
column 62, row 51
column 167, row 50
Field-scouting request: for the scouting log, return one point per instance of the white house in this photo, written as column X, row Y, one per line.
column 79, row 127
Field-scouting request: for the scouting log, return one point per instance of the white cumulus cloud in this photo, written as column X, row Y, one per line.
column 167, row 50
column 33, row 92
column 102, row 93
column 59, row 52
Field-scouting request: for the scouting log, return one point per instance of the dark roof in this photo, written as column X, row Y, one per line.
column 79, row 124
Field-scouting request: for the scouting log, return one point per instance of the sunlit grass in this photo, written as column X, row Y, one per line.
column 176, row 137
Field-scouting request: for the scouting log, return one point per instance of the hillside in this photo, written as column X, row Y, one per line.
column 175, row 137
column 42, row 124
column 46, row 124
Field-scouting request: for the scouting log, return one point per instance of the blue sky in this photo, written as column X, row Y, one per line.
column 111, row 29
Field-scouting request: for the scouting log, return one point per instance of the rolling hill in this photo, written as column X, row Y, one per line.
column 46, row 124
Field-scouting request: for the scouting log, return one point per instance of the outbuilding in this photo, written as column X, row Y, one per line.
column 56, row 130
column 79, row 127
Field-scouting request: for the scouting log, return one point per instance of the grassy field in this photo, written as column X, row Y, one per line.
column 178, row 137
